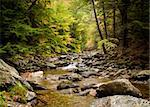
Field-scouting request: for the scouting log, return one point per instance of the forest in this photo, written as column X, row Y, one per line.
column 74, row 53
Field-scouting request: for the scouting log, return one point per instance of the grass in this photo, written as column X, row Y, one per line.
column 18, row 93
column 2, row 99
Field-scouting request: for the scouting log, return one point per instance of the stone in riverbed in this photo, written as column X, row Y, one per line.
column 87, row 74
column 34, row 76
column 117, row 87
column 30, row 96
column 71, row 76
column 120, row 101
column 142, row 75
column 66, row 85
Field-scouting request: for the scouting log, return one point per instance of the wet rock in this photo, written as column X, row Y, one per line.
column 142, row 75
column 87, row 87
column 88, row 83
column 120, row 101
column 117, row 87
column 72, row 77
column 66, row 85
column 70, row 67
column 30, row 96
column 37, row 86
column 70, row 91
column 84, row 93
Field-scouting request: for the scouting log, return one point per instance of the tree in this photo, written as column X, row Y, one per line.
column 104, row 15
column 114, row 18
column 123, row 7
column 98, row 28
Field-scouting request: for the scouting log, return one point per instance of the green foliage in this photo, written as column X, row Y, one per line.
column 2, row 100
column 50, row 27
column 108, row 45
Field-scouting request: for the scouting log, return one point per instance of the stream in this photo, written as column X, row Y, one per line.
column 71, row 82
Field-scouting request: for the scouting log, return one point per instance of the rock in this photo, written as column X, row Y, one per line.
column 120, row 72
column 79, row 70
column 117, row 87
column 32, row 103
column 10, row 76
column 120, row 101
column 93, row 92
column 83, row 93
column 30, row 96
column 66, row 85
column 38, row 74
column 88, row 83
column 51, row 77
column 87, row 74
column 70, row 67
column 61, row 63
column 50, row 65
column 52, row 59
column 16, row 104
column 37, row 86
column 34, row 76
column 70, row 91
column 142, row 75
column 87, row 87
column 72, row 77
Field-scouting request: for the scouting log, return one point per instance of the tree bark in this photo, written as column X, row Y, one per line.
column 99, row 30
column 104, row 15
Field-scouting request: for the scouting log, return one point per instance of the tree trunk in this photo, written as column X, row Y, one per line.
column 114, row 19
column 99, row 30
column 104, row 15
column 124, row 14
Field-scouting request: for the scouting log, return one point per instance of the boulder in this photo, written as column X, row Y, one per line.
column 117, row 87
column 120, row 101
column 10, row 76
